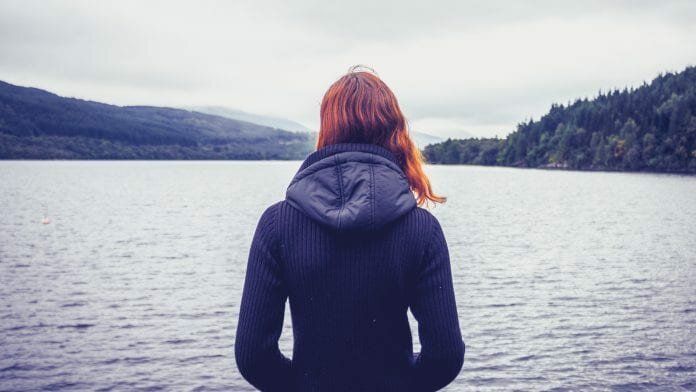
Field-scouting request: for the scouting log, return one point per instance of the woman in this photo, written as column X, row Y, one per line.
column 352, row 250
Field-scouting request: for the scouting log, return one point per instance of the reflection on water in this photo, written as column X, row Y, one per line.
column 563, row 279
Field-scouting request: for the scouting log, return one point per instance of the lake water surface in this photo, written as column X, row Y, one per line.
column 564, row 280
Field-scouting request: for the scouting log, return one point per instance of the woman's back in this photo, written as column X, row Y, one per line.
column 352, row 251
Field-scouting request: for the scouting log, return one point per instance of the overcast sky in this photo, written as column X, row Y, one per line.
column 455, row 66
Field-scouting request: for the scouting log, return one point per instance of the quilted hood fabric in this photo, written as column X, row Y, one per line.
column 351, row 187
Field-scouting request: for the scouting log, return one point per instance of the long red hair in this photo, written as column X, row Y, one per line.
column 360, row 108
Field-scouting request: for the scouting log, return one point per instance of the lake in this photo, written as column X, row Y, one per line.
column 564, row 280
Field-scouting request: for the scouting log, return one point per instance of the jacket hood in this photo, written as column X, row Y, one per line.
column 351, row 187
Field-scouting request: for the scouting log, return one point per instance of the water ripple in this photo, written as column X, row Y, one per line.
column 565, row 281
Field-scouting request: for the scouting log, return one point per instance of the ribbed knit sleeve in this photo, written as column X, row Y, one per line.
column 261, row 313
column 434, row 307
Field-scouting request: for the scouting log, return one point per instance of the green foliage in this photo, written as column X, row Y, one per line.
column 36, row 124
column 473, row 151
column 649, row 128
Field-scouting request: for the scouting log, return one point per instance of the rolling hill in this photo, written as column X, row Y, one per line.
column 648, row 128
column 36, row 124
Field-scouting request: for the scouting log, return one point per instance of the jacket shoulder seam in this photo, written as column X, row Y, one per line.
column 276, row 241
column 429, row 238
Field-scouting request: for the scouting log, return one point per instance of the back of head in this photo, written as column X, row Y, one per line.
column 360, row 108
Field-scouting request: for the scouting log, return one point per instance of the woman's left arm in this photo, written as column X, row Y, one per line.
column 261, row 313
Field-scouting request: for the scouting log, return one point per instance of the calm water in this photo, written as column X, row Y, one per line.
column 564, row 280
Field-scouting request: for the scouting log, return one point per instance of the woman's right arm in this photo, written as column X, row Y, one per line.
column 434, row 307
column 261, row 313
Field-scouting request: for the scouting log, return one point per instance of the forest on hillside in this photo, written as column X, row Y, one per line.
column 648, row 128
column 37, row 124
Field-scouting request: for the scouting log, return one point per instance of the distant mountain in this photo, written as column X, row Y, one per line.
column 36, row 124
column 421, row 139
column 649, row 128
column 268, row 121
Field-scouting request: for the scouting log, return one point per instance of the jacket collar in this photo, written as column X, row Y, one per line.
column 342, row 147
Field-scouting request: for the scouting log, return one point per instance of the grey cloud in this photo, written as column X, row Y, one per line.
column 397, row 20
column 449, row 59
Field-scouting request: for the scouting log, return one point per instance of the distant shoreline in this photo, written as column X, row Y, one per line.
column 560, row 169
column 564, row 169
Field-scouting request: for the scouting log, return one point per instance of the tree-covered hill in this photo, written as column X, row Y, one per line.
column 648, row 128
column 36, row 124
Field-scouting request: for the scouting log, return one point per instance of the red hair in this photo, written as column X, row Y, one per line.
column 360, row 108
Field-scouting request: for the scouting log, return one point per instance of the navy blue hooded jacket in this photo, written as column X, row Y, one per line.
column 351, row 251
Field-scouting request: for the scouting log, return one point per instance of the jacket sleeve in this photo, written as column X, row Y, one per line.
column 434, row 307
column 261, row 313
